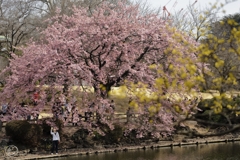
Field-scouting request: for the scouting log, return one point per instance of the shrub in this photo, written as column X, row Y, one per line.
column 115, row 135
column 207, row 107
column 24, row 133
column 80, row 136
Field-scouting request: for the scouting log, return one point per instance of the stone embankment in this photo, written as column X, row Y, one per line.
column 144, row 146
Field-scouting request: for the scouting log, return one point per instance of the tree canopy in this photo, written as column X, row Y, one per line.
column 114, row 45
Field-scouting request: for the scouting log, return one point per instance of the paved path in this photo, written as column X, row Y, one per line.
column 160, row 144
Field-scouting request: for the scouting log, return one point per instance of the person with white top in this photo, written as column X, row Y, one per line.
column 55, row 139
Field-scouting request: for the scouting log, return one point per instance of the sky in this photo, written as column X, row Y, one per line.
column 231, row 8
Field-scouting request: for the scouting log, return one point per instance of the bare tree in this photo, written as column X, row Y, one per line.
column 17, row 23
column 146, row 8
column 196, row 20
column 47, row 8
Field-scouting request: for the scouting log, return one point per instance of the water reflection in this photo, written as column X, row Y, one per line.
column 220, row 151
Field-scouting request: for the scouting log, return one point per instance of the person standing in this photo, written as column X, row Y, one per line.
column 35, row 98
column 55, row 139
column 75, row 116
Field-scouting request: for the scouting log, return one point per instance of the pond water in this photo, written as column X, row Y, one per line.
column 217, row 151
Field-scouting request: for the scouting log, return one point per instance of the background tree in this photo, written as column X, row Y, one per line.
column 17, row 23
column 223, row 58
column 220, row 51
column 195, row 20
